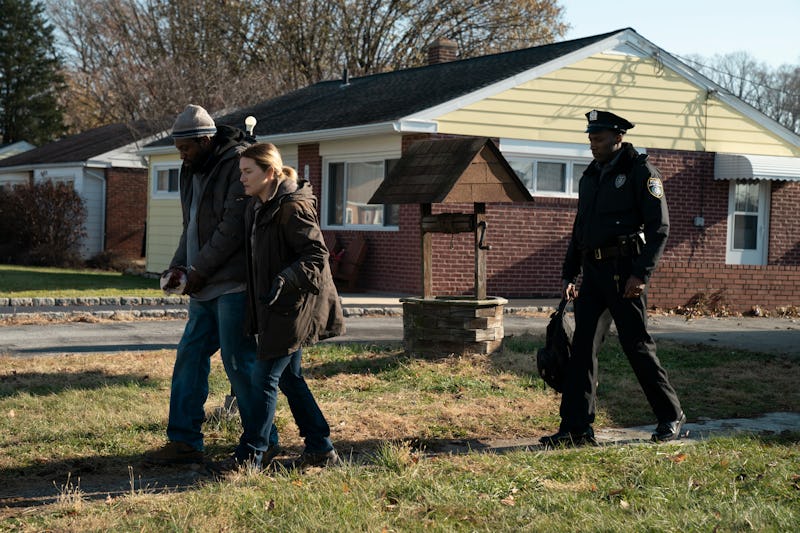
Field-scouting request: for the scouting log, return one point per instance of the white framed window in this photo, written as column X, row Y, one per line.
column 549, row 177
column 548, row 168
column 66, row 180
column 349, row 185
column 55, row 176
column 166, row 180
column 748, row 222
column 11, row 183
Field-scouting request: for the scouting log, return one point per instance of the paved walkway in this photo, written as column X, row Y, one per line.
column 693, row 432
column 758, row 334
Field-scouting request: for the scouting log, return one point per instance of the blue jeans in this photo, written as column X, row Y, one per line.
column 216, row 324
column 285, row 372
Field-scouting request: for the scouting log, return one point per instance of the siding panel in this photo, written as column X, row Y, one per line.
column 669, row 111
column 164, row 227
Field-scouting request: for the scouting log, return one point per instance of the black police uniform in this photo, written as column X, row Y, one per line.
column 620, row 230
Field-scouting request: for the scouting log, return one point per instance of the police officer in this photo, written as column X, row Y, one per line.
column 619, row 233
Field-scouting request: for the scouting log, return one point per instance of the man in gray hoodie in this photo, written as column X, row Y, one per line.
column 210, row 257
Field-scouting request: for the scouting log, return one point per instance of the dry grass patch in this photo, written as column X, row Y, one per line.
column 581, row 485
column 37, row 319
column 73, row 430
column 386, row 395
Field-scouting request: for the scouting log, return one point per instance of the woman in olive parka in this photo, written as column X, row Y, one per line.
column 292, row 299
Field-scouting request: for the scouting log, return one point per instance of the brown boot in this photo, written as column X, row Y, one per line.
column 306, row 460
column 174, row 453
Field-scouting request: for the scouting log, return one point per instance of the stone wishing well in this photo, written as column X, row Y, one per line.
column 453, row 171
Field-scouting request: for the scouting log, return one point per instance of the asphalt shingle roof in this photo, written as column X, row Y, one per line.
column 391, row 95
column 84, row 146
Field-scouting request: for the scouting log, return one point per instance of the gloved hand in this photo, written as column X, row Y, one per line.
column 274, row 291
column 173, row 277
column 285, row 282
column 195, row 281
column 634, row 287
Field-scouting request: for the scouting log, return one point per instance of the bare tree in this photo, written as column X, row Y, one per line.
column 131, row 59
column 378, row 36
column 776, row 93
column 782, row 99
column 296, row 42
column 306, row 41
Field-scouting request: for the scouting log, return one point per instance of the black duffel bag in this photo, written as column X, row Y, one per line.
column 553, row 358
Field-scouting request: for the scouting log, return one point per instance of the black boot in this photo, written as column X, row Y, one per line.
column 570, row 439
column 669, row 430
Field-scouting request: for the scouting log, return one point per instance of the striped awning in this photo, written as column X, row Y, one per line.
column 756, row 167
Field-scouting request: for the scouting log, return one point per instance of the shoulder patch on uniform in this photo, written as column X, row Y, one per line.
column 655, row 187
column 620, row 181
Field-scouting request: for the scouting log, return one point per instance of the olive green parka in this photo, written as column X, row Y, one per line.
column 282, row 234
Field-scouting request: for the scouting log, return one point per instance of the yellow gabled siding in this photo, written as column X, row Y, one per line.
column 668, row 110
column 164, row 221
column 730, row 133
column 164, row 226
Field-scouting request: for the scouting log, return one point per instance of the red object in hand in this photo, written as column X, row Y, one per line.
column 173, row 281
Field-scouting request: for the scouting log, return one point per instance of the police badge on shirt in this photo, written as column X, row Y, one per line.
column 655, row 187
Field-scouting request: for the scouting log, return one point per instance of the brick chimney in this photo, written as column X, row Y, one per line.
column 442, row 50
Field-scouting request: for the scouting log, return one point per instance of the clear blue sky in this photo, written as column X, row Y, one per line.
column 769, row 30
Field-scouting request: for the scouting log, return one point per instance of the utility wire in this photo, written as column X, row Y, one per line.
column 696, row 64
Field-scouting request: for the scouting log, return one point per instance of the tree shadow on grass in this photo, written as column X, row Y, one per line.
column 43, row 384
column 101, row 478
column 94, row 478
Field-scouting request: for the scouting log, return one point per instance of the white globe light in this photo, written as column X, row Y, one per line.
column 250, row 124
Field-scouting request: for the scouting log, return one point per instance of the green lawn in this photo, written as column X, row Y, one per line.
column 30, row 282
column 73, row 430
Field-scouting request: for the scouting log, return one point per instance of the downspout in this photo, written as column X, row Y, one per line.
column 103, row 181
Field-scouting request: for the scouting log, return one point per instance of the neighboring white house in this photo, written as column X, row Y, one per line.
column 94, row 162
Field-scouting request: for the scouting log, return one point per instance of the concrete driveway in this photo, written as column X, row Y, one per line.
column 767, row 335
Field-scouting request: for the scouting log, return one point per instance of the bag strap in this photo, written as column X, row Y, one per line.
column 561, row 306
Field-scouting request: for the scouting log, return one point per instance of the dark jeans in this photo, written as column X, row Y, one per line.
column 599, row 301
column 285, row 373
column 213, row 325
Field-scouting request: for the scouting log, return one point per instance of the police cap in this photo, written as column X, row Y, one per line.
column 604, row 120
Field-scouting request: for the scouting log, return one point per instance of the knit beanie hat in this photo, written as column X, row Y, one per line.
column 194, row 121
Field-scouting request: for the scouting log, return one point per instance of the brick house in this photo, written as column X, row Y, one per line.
column 106, row 170
column 731, row 174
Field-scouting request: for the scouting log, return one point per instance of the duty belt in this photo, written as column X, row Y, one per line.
column 626, row 246
column 608, row 253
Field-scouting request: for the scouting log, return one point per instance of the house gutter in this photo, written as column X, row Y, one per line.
column 47, row 166
column 103, row 203
column 308, row 137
